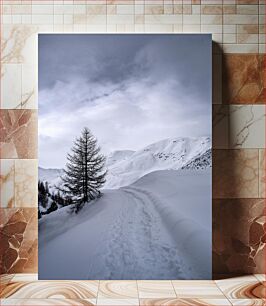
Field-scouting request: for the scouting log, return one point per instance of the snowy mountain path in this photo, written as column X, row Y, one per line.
column 142, row 231
column 136, row 242
column 138, row 230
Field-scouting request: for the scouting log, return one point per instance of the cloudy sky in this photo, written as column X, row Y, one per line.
column 129, row 90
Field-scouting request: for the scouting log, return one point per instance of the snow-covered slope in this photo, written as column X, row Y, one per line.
column 202, row 161
column 167, row 154
column 118, row 156
column 126, row 166
column 148, row 230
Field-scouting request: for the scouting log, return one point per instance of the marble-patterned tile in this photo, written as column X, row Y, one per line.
column 10, row 85
column 18, row 43
column 26, row 179
column 247, row 126
column 239, row 237
column 48, row 302
column 7, row 183
column 248, row 302
column 18, row 233
column 5, row 279
column 220, row 126
column 242, row 288
column 156, row 289
column 262, row 171
column 235, row 173
column 197, row 289
column 18, row 130
column 19, row 48
column 184, row 302
column 117, row 302
column 51, row 290
column 243, row 79
column 29, row 86
column 118, row 290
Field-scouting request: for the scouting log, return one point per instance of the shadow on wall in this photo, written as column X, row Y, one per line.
column 239, row 216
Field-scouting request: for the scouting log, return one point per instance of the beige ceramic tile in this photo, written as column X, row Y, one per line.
column 246, row 287
column 120, row 19
column 247, row 9
column 48, row 302
column 191, row 28
column 10, row 85
column 191, row 19
column 248, row 302
column 7, row 183
column 19, row 43
column 235, row 173
column 229, row 38
column 229, row 29
column 211, row 9
column 158, row 28
column 262, row 171
column 153, row 9
column 18, row 131
column 51, row 290
column 197, row 289
column 240, row 48
column 26, row 177
column 29, row 86
column 247, row 38
column 229, row 9
column 184, row 302
column 42, row 9
column 163, row 19
column 248, row 29
column 156, row 289
column 118, row 290
column 96, row 9
column 240, row 19
column 211, row 19
column 117, row 302
column 247, row 126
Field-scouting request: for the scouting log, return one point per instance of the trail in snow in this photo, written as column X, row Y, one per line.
column 140, row 244
column 136, row 232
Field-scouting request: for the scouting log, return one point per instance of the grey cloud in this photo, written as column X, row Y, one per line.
column 130, row 90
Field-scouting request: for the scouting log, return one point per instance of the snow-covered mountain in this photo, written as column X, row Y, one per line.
column 167, row 154
column 126, row 166
column 51, row 176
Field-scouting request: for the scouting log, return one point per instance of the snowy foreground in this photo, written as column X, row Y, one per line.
column 156, row 228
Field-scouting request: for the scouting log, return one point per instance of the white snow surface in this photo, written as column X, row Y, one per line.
column 147, row 230
column 166, row 154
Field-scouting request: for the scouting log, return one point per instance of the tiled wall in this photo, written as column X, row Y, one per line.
column 238, row 29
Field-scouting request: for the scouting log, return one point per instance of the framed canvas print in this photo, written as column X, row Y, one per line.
column 124, row 187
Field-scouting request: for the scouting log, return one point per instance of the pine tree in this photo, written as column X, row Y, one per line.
column 84, row 174
column 43, row 194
